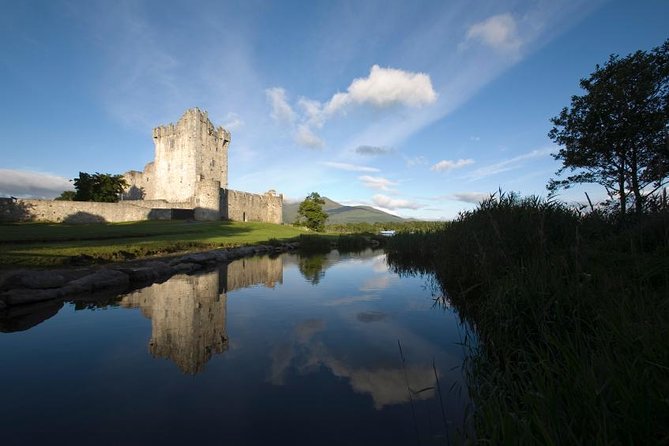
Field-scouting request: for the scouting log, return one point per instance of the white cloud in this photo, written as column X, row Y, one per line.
column 385, row 87
column 416, row 161
column 377, row 182
column 475, row 138
column 281, row 110
column 232, row 121
column 305, row 137
column 393, row 203
column 469, row 197
column 28, row 184
column 446, row 165
column 499, row 32
column 350, row 167
column 372, row 150
column 313, row 111
column 510, row 164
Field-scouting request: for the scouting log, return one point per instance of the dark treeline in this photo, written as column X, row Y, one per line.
column 571, row 311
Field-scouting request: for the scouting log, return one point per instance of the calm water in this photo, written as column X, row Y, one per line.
column 294, row 350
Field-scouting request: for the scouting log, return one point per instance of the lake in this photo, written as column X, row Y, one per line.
column 321, row 349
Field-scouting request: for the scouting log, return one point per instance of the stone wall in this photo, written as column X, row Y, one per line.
column 193, row 150
column 77, row 211
column 245, row 206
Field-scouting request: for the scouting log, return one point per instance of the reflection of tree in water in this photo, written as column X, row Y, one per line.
column 312, row 267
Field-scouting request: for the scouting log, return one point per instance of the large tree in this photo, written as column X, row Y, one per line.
column 311, row 212
column 615, row 134
column 103, row 187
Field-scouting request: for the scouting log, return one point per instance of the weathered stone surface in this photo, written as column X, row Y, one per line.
column 186, row 268
column 39, row 279
column 200, row 257
column 22, row 296
column 104, row 278
column 190, row 171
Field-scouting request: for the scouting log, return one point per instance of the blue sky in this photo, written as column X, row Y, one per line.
column 415, row 107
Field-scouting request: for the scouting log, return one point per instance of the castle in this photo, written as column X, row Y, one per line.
column 188, row 179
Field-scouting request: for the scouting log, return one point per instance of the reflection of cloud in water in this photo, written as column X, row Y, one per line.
column 352, row 299
column 307, row 329
column 378, row 283
column 379, row 264
column 371, row 316
column 284, row 352
column 386, row 386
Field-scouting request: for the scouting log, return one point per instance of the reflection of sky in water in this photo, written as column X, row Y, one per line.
column 249, row 353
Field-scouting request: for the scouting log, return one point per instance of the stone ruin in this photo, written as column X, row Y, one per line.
column 190, row 171
column 188, row 179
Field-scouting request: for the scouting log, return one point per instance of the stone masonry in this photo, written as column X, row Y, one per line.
column 189, row 176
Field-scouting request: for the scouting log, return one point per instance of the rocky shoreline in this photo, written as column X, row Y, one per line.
column 24, row 287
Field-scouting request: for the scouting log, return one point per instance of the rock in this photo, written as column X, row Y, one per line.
column 41, row 280
column 199, row 257
column 34, row 280
column 104, row 278
column 186, row 268
column 22, row 296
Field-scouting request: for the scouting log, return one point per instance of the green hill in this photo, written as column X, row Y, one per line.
column 340, row 214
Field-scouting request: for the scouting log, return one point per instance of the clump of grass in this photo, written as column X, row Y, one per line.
column 316, row 244
column 572, row 314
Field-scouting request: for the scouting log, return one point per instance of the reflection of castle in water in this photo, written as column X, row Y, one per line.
column 188, row 313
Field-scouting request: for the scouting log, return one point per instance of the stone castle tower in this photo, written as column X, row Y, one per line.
column 190, row 171
column 188, row 179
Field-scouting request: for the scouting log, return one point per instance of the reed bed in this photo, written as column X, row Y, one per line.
column 572, row 315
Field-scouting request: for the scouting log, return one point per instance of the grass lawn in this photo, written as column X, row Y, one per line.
column 42, row 244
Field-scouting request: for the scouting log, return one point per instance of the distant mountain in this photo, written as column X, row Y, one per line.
column 340, row 214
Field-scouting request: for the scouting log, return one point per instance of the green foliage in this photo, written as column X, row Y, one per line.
column 103, row 187
column 67, row 195
column 571, row 313
column 311, row 213
column 375, row 228
column 615, row 134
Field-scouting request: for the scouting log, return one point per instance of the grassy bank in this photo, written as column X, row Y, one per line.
column 40, row 244
column 572, row 314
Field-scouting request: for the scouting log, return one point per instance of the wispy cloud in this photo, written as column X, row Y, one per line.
column 305, row 137
column 29, row 184
column 379, row 183
column 469, row 197
column 506, row 165
column 394, row 203
column 281, row 112
column 372, row 150
column 446, row 165
column 232, row 121
column 499, row 32
column 416, row 161
column 350, row 167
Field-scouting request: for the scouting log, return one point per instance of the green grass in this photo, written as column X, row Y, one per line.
column 39, row 244
column 571, row 313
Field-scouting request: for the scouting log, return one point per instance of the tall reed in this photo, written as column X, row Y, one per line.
column 572, row 314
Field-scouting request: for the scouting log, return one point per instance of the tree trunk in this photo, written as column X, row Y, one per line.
column 638, row 198
column 621, row 185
